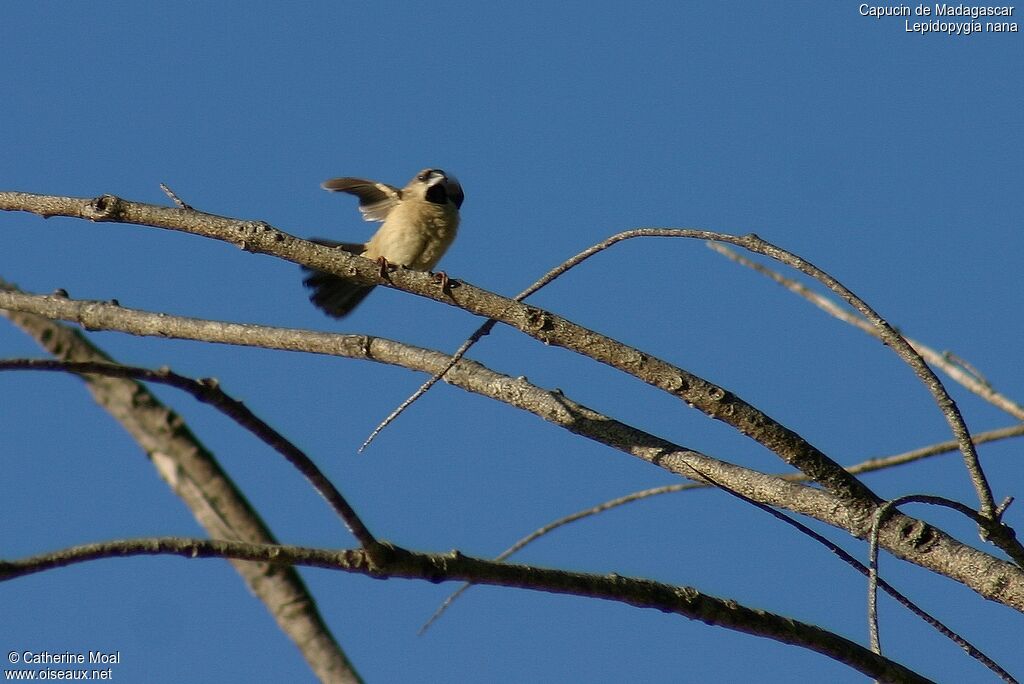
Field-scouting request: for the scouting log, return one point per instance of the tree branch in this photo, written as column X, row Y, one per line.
column 904, row 537
column 640, row 593
column 956, row 370
column 866, row 466
column 895, row 341
column 194, row 475
column 694, row 391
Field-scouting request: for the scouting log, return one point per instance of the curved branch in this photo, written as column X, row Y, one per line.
column 881, row 513
column 640, row 593
column 894, row 340
column 1000, row 534
column 957, row 370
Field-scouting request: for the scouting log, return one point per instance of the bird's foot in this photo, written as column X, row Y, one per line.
column 385, row 266
column 445, row 282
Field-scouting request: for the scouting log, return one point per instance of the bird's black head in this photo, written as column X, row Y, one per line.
column 441, row 187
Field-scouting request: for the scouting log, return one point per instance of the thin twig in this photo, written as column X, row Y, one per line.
column 174, row 198
column 966, row 366
column 209, row 392
column 935, row 449
column 456, row 357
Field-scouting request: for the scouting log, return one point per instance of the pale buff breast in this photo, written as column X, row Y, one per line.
column 415, row 235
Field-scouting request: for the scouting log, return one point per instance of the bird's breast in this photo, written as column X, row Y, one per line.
column 415, row 235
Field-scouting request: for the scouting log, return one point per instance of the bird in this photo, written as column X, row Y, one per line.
column 419, row 223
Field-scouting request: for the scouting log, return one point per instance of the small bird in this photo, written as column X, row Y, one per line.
column 419, row 224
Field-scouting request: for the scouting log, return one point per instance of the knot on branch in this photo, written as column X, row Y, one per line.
column 718, row 402
column 539, row 322
column 675, row 383
column 251, row 229
column 920, row 535
column 381, row 556
column 104, row 208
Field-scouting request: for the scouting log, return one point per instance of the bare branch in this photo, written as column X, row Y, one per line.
column 867, row 466
column 904, row 537
column 640, row 593
column 848, row 494
column 694, row 391
column 196, row 477
column 174, row 197
column 870, row 465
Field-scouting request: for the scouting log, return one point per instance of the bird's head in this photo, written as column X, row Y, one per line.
column 436, row 187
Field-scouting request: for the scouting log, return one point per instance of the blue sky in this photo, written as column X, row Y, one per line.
column 891, row 159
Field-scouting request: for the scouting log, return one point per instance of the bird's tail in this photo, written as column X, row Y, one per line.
column 334, row 295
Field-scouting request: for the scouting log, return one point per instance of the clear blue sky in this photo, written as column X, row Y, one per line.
column 894, row 160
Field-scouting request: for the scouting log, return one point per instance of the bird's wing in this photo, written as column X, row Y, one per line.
column 375, row 199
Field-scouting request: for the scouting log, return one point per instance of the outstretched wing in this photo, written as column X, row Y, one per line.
column 375, row 199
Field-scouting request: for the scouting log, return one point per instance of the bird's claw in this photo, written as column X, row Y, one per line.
column 385, row 266
column 445, row 282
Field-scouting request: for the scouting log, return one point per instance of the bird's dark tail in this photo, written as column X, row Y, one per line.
column 333, row 295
